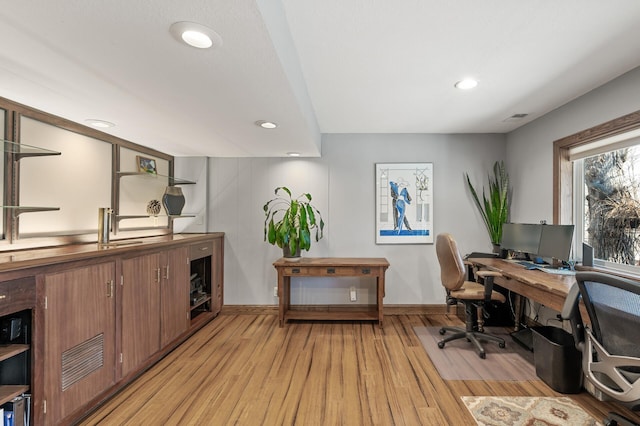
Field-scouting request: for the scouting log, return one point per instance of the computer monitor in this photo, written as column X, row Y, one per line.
column 522, row 237
column 555, row 241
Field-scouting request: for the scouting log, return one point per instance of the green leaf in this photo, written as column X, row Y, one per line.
column 272, row 232
column 494, row 207
column 297, row 218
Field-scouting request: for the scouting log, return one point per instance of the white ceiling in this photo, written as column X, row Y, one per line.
column 313, row 66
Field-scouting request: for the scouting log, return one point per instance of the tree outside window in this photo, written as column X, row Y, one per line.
column 612, row 205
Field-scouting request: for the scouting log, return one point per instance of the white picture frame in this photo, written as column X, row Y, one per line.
column 404, row 203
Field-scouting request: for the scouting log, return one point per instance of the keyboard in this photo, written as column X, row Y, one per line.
column 528, row 265
column 558, row 271
column 531, row 265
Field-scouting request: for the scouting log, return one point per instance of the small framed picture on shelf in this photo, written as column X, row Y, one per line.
column 147, row 165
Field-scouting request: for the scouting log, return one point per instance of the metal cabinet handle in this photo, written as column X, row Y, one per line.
column 166, row 272
column 110, row 288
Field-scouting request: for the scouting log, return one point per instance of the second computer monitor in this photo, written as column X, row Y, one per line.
column 555, row 241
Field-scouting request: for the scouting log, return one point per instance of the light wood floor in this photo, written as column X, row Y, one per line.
column 245, row 370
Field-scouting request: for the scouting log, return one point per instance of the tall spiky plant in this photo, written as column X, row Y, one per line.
column 494, row 208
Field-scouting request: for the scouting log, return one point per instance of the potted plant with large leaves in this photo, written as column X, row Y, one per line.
column 289, row 222
column 494, row 207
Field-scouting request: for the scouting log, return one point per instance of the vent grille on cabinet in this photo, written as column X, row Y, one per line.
column 81, row 360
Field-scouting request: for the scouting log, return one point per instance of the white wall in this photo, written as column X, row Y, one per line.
column 342, row 185
column 530, row 148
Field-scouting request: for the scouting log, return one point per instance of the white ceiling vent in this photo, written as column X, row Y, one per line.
column 515, row 117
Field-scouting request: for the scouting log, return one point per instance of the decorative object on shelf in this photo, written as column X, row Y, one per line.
column 173, row 200
column 153, row 207
column 146, row 165
column 298, row 218
column 495, row 209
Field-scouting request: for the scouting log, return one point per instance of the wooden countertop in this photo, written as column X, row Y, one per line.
column 333, row 261
column 22, row 259
column 556, row 284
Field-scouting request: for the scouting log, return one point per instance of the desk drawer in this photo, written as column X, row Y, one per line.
column 197, row 251
column 17, row 295
column 330, row 271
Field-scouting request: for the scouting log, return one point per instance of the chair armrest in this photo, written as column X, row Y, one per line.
column 571, row 312
column 485, row 274
column 487, row 279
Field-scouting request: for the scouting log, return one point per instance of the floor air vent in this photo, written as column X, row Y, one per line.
column 81, row 360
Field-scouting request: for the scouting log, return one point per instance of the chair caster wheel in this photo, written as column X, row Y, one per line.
column 501, row 345
column 441, row 345
column 482, row 355
column 442, row 331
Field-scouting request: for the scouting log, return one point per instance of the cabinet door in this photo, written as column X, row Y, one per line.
column 174, row 294
column 217, row 275
column 79, row 337
column 140, row 310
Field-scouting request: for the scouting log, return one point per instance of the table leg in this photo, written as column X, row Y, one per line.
column 283, row 296
column 380, row 292
column 519, row 301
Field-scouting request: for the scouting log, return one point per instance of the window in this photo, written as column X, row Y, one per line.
column 597, row 187
column 607, row 209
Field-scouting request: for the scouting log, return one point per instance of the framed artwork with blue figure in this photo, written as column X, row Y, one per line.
column 404, row 203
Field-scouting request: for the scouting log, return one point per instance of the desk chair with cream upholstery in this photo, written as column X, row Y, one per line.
column 610, row 343
column 474, row 295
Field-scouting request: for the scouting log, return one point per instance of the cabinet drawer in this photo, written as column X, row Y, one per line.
column 16, row 295
column 196, row 251
column 330, row 271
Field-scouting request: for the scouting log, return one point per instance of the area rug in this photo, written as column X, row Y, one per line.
column 527, row 411
column 458, row 360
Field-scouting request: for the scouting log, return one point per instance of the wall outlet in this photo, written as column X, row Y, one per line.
column 275, row 292
column 352, row 294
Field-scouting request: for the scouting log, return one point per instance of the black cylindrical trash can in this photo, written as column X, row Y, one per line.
column 558, row 362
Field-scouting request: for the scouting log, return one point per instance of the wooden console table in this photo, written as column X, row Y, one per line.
column 330, row 267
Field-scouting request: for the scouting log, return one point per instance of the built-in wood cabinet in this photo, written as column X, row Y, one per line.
column 95, row 316
column 217, row 274
column 17, row 306
column 206, row 276
column 80, row 333
column 140, row 286
column 174, row 294
column 155, row 304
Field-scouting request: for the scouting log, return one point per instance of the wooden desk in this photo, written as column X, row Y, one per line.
column 330, row 267
column 547, row 289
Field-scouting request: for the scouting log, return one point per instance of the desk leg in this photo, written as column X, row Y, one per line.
column 380, row 292
column 519, row 301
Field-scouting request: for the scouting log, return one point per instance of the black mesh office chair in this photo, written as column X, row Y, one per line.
column 453, row 274
column 610, row 343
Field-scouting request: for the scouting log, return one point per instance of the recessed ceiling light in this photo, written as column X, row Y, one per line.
column 293, row 154
column 101, row 124
column 466, row 84
column 266, row 124
column 195, row 35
